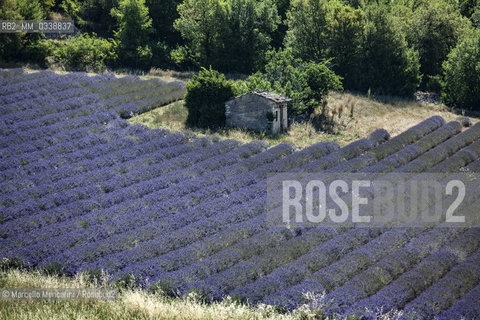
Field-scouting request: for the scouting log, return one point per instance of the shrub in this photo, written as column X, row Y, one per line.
column 38, row 52
column 205, row 100
column 461, row 86
column 85, row 53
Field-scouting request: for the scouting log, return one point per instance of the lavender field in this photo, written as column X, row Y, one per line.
column 83, row 190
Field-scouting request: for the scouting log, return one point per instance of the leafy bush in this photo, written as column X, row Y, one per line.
column 205, row 100
column 307, row 83
column 85, row 53
column 38, row 52
column 461, row 87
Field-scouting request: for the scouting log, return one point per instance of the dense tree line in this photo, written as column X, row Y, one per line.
column 384, row 47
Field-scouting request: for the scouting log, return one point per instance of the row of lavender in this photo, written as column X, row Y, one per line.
column 128, row 95
column 189, row 214
column 299, row 256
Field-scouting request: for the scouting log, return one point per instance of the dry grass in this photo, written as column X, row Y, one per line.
column 173, row 116
column 393, row 114
column 137, row 304
column 354, row 117
column 165, row 75
column 130, row 304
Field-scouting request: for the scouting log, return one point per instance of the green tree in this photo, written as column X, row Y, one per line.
column 30, row 10
column 434, row 30
column 286, row 76
column 163, row 14
column 92, row 16
column 205, row 99
column 250, row 26
column 46, row 5
column 134, row 29
column 10, row 43
column 367, row 49
column 320, row 30
column 476, row 17
column 467, row 7
column 307, row 33
column 34, row 48
column 461, row 86
column 279, row 35
column 346, row 27
column 23, row 46
column 306, row 83
column 230, row 35
column 202, row 24
column 389, row 65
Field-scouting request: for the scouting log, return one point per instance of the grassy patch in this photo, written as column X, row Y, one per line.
column 173, row 116
column 391, row 113
column 352, row 117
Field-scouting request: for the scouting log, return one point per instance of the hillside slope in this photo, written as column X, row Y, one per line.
column 83, row 190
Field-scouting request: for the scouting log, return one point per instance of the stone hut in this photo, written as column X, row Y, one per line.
column 258, row 110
